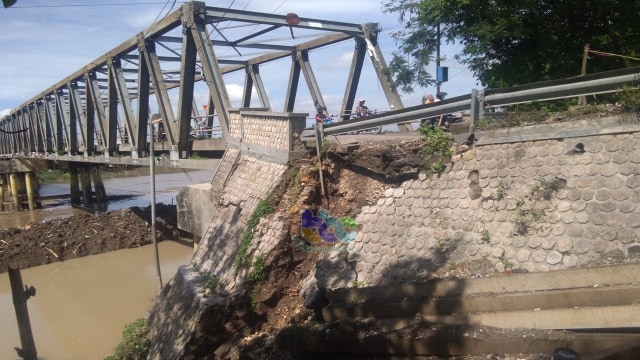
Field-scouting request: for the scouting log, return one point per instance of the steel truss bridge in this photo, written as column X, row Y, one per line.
column 105, row 109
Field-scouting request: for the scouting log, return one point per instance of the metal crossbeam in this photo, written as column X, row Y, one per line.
column 108, row 103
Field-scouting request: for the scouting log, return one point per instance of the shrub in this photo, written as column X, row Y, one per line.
column 135, row 342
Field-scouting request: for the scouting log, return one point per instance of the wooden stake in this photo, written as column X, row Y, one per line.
column 582, row 100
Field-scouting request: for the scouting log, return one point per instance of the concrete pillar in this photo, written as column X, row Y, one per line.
column 31, row 192
column 196, row 242
column 15, row 189
column 75, row 187
column 2, row 188
column 98, row 185
column 85, row 185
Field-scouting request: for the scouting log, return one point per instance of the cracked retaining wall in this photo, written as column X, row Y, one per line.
column 247, row 173
column 524, row 198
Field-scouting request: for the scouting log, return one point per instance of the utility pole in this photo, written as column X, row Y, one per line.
column 152, row 173
column 438, row 83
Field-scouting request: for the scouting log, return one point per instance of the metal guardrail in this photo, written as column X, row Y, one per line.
column 604, row 82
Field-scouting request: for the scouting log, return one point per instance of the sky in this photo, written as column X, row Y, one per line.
column 44, row 41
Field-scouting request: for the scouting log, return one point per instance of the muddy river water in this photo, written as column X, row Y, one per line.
column 82, row 305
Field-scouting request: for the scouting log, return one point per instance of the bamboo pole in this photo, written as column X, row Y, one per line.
column 20, row 296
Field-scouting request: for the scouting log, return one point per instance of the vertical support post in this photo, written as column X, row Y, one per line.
column 2, row 187
column 85, row 184
column 20, row 295
column 75, row 188
column 476, row 108
column 319, row 142
column 152, row 174
column 582, row 100
column 98, row 185
column 15, row 189
column 28, row 176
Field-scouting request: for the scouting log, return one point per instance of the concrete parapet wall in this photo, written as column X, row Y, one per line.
column 267, row 129
column 538, row 205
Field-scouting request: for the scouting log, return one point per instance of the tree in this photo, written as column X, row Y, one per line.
column 507, row 42
column 8, row 3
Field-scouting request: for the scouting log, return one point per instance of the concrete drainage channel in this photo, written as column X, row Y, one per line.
column 593, row 311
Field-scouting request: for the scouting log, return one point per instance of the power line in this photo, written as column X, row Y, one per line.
column 84, row 5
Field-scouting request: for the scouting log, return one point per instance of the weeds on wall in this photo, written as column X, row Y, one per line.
column 437, row 143
column 264, row 208
column 531, row 209
column 629, row 97
column 258, row 272
column 211, row 283
column 135, row 342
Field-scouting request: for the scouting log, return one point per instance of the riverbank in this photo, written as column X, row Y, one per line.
column 39, row 243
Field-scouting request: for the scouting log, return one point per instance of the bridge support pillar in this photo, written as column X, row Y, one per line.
column 75, row 187
column 98, row 185
column 15, row 189
column 85, row 184
column 31, row 192
column 3, row 183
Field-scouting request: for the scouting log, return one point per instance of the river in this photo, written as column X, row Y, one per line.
column 82, row 305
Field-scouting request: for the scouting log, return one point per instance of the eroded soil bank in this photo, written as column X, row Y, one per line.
column 40, row 243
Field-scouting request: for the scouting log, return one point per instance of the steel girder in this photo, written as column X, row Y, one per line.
column 105, row 107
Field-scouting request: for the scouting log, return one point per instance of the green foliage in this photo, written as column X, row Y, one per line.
column 546, row 189
column 437, row 143
column 507, row 42
column 258, row 270
column 437, row 166
column 485, row 236
column 326, row 146
column 265, row 207
column 211, row 282
column 507, row 263
column 501, row 191
column 54, row 176
column 196, row 156
column 8, row 3
column 357, row 284
column 348, row 221
column 135, row 342
column 629, row 97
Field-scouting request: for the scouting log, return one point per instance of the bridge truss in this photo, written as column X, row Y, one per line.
column 105, row 108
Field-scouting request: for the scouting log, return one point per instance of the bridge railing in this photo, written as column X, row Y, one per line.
column 479, row 100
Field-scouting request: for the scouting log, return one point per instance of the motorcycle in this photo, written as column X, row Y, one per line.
column 445, row 120
column 373, row 130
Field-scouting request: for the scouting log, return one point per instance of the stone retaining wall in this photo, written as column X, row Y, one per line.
column 536, row 205
column 260, row 146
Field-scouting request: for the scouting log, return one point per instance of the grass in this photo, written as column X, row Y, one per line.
column 135, row 342
column 54, row 176
column 258, row 270
column 211, row 282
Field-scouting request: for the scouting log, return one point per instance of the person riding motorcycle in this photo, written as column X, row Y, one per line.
column 321, row 118
column 362, row 110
